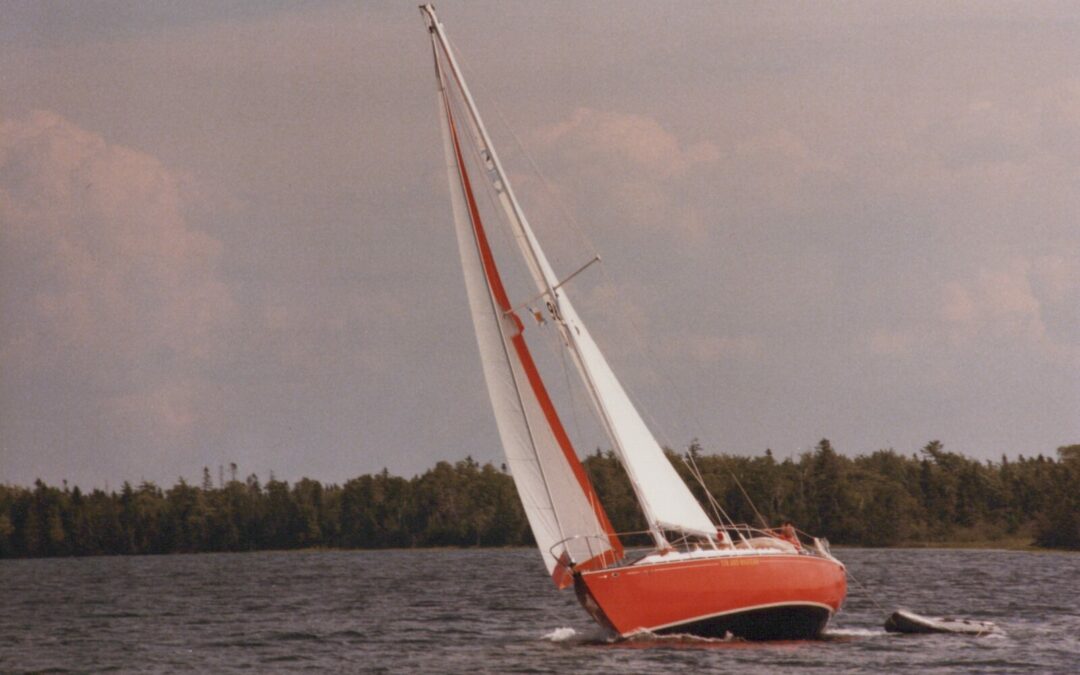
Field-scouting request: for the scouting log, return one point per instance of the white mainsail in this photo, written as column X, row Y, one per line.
column 567, row 521
column 666, row 501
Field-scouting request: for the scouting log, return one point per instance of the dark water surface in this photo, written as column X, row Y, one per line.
column 495, row 611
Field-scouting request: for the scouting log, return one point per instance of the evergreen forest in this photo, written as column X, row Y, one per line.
column 933, row 497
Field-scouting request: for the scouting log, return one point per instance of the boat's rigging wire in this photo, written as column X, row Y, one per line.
column 638, row 331
column 750, row 501
column 658, row 535
column 866, row 590
column 557, row 286
column 569, row 384
column 553, row 341
column 659, row 429
column 476, row 147
column 695, row 471
column 450, row 128
column 575, row 226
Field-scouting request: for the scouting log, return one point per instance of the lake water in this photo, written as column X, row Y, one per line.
column 495, row 611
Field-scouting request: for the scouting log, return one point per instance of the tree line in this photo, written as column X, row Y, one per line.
column 881, row 499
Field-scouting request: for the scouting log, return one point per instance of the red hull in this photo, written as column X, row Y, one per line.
column 753, row 596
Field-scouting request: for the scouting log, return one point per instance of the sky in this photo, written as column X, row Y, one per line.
column 226, row 237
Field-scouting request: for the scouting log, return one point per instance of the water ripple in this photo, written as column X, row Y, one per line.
column 413, row 611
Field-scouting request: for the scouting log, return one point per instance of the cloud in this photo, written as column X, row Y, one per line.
column 1056, row 277
column 616, row 309
column 982, row 132
column 999, row 302
column 636, row 142
column 1021, row 308
column 893, row 343
column 708, row 349
column 624, row 166
column 165, row 414
column 300, row 334
column 651, row 178
column 1017, row 303
column 1059, row 114
column 1010, row 150
column 107, row 291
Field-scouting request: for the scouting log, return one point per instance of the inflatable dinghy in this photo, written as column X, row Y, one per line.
column 903, row 621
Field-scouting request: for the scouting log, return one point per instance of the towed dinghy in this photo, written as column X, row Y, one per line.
column 904, row 621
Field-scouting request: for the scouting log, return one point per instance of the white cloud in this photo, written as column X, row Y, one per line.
column 637, row 142
column 709, row 349
column 629, row 166
column 613, row 310
column 107, row 289
column 998, row 302
column 303, row 334
column 1057, row 277
column 895, row 342
column 1010, row 304
column 1059, row 108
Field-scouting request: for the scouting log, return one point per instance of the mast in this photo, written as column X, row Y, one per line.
column 458, row 167
column 539, row 267
column 556, row 494
column 664, row 498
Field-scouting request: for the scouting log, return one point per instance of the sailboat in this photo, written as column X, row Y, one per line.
column 698, row 577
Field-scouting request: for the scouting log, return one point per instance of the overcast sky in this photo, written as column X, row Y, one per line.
column 225, row 231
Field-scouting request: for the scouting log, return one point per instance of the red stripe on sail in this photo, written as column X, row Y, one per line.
column 522, row 350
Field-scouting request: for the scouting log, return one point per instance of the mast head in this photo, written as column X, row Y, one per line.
column 428, row 12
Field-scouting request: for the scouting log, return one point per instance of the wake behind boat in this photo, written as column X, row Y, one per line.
column 700, row 577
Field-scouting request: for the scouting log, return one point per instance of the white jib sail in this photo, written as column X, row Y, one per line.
column 556, row 504
column 665, row 498
column 666, row 501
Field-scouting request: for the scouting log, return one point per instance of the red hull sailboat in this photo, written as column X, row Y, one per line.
column 701, row 576
column 757, row 595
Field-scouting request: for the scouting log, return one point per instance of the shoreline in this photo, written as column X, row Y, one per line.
column 1014, row 545
column 1021, row 544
